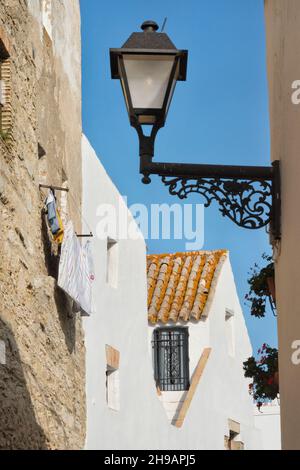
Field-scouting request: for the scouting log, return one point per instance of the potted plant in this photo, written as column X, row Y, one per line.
column 264, row 372
column 262, row 287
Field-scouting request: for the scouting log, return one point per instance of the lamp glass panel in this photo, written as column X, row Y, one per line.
column 174, row 81
column 148, row 77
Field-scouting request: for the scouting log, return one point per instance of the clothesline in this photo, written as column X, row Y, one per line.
column 79, row 211
column 75, row 273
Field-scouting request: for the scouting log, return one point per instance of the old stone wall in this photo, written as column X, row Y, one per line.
column 42, row 366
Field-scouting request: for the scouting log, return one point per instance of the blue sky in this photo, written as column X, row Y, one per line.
column 219, row 115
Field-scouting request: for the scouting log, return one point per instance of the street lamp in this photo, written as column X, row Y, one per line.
column 148, row 66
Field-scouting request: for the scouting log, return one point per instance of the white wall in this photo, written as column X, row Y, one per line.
column 227, row 376
column 267, row 420
column 61, row 20
column 120, row 320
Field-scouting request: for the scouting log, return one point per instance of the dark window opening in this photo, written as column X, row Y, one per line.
column 41, row 151
column 171, row 359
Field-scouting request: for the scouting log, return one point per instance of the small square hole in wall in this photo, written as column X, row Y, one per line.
column 229, row 330
column 112, row 261
column 41, row 151
column 112, row 378
column 113, row 388
column 233, row 441
column 42, row 164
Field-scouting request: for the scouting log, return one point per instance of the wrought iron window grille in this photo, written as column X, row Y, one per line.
column 171, row 359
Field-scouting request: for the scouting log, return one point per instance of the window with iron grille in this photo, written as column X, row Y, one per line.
column 171, row 359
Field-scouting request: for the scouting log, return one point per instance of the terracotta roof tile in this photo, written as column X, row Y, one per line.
column 179, row 285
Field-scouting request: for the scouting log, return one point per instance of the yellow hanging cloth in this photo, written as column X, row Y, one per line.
column 59, row 236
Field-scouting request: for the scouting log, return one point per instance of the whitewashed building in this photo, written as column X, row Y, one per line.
column 267, row 421
column 195, row 314
column 127, row 408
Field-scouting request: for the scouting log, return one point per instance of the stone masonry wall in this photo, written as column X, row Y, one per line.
column 42, row 370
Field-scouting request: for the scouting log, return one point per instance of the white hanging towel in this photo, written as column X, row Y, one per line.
column 88, row 255
column 90, row 260
column 74, row 271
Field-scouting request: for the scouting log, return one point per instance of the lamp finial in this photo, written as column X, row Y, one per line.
column 149, row 26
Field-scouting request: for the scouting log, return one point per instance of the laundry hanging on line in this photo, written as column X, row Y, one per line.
column 76, row 270
column 53, row 218
column 90, row 260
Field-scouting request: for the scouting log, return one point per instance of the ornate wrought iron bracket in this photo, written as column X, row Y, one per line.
column 247, row 195
column 247, row 203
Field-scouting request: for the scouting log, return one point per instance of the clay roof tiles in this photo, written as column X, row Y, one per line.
column 180, row 284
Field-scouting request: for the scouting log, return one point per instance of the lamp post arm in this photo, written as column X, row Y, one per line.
column 194, row 170
column 247, row 195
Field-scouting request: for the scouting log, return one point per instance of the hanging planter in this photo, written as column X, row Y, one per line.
column 264, row 372
column 262, row 287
